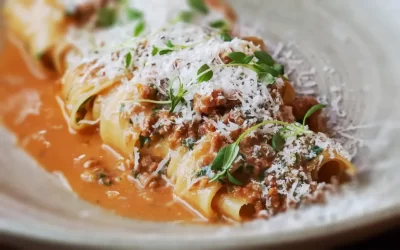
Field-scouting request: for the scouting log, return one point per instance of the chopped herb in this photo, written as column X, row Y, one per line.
column 134, row 14
column 139, row 28
column 154, row 51
column 128, row 59
column 198, row 5
column 106, row 17
column 317, row 150
column 218, row 24
column 205, row 171
column 311, row 111
column 204, row 73
column 144, row 141
column 189, row 143
column 279, row 68
column 225, row 37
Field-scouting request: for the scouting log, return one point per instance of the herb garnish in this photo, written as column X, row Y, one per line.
column 144, row 140
column 204, row 73
column 198, row 5
column 226, row 37
column 218, row 24
column 185, row 16
column 189, row 143
column 106, row 17
column 176, row 98
column 293, row 129
column 139, row 28
column 134, row 14
column 227, row 155
column 170, row 47
column 128, row 59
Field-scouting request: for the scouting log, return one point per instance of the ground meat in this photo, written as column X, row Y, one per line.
column 217, row 142
column 148, row 123
column 206, row 126
column 178, row 134
column 208, row 103
column 257, row 153
column 286, row 114
column 253, row 194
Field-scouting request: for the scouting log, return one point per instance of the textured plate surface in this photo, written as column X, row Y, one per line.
column 350, row 48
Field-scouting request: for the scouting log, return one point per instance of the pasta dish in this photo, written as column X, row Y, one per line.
column 186, row 119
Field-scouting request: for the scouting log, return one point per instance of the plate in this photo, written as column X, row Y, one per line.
column 349, row 48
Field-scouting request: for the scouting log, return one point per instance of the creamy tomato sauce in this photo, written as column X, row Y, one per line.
column 28, row 107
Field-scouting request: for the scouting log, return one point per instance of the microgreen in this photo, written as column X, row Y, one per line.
column 218, row 24
column 204, row 73
column 178, row 97
column 154, row 51
column 139, row 28
column 226, row 37
column 134, row 14
column 311, row 111
column 144, row 140
column 293, row 129
column 128, row 59
column 266, row 69
column 316, row 150
column 169, row 44
column 198, row 5
column 106, row 17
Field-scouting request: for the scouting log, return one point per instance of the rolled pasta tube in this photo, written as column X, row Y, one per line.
column 328, row 167
column 187, row 187
column 116, row 128
column 79, row 94
column 232, row 206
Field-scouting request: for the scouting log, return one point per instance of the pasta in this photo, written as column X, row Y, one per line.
column 192, row 105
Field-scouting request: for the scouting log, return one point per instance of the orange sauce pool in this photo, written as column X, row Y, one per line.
column 28, row 108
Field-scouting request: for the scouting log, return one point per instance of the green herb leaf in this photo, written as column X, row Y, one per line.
column 237, row 57
column 279, row 68
column 134, row 14
column 139, row 28
column 204, row 73
column 233, row 180
column 198, row 5
column 247, row 59
column 218, row 24
column 278, row 141
column 169, row 44
column 165, row 51
column 311, row 111
column 154, row 51
column 106, row 17
column 128, row 59
column 185, row 16
column 263, row 68
column 265, row 58
column 189, row 143
column 225, row 157
column 144, row 141
column 266, row 78
column 226, row 37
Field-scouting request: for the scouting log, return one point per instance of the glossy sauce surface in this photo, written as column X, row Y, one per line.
column 29, row 108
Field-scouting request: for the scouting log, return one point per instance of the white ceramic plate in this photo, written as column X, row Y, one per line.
column 350, row 48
